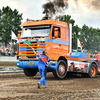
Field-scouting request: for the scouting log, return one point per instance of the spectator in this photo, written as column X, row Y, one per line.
column 6, row 51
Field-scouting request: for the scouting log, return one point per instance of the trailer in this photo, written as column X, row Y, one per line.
column 56, row 37
column 98, row 61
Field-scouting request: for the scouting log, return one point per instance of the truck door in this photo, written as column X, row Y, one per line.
column 60, row 44
column 56, row 45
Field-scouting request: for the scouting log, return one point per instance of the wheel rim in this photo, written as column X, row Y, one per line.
column 61, row 69
column 93, row 71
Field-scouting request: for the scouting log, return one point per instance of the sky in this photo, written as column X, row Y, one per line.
column 82, row 11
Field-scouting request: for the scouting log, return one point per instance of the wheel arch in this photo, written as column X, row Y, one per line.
column 93, row 62
column 63, row 58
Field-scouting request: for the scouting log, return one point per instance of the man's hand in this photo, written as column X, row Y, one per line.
column 33, row 50
column 49, row 64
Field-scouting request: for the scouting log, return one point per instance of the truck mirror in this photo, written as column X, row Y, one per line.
column 55, row 29
column 19, row 34
column 55, row 32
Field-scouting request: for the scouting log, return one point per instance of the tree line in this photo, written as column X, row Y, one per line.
column 88, row 36
column 10, row 20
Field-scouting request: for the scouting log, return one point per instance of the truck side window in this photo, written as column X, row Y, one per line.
column 58, row 32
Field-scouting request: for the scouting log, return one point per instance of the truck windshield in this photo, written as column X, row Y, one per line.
column 35, row 31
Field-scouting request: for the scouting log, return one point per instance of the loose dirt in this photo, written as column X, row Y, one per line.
column 7, row 63
column 16, row 86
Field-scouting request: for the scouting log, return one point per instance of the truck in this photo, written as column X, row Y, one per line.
column 98, row 61
column 56, row 37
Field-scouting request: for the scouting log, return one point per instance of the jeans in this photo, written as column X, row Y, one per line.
column 43, row 75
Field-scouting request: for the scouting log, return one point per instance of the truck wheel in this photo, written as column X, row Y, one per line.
column 30, row 72
column 92, row 71
column 61, row 70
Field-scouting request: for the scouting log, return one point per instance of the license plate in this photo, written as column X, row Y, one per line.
column 30, row 63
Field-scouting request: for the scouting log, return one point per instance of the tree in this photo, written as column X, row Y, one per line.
column 90, row 38
column 67, row 19
column 75, row 34
column 98, row 31
column 0, row 26
column 10, row 21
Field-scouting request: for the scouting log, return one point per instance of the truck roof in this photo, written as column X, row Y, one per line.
column 45, row 22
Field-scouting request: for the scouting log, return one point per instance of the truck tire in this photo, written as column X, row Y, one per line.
column 92, row 71
column 30, row 72
column 61, row 70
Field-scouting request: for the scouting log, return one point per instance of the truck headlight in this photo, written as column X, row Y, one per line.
column 18, row 63
column 19, row 57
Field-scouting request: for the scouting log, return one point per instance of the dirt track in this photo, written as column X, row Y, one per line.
column 17, row 86
column 7, row 63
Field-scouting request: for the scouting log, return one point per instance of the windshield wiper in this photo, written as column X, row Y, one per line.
column 25, row 37
column 37, row 37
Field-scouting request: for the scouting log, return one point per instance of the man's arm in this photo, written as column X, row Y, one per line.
column 33, row 50
column 49, row 64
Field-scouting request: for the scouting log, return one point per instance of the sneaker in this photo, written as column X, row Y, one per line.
column 39, row 85
column 44, row 87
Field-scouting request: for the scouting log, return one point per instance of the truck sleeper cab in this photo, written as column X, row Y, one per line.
column 55, row 37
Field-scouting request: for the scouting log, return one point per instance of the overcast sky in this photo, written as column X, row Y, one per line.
column 81, row 13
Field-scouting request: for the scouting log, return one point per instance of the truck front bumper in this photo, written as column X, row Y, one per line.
column 34, row 64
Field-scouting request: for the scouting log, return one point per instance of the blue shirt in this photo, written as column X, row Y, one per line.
column 41, row 63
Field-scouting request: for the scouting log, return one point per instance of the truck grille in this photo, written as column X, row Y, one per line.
column 26, row 53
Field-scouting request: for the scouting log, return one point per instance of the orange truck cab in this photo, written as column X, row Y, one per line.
column 56, row 37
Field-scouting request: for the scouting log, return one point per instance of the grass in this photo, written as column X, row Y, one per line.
column 6, row 64
column 7, row 61
column 8, row 67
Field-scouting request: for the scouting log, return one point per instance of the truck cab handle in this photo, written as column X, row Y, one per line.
column 59, row 44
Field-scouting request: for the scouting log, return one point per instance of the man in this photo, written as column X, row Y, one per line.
column 42, row 66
